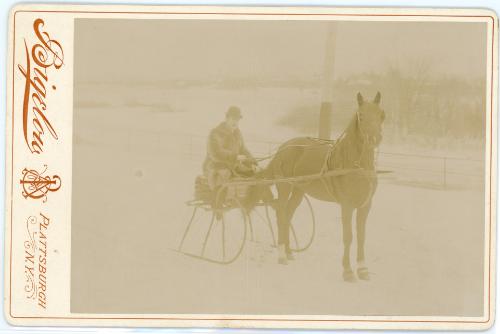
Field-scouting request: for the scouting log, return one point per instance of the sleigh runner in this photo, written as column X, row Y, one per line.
column 227, row 206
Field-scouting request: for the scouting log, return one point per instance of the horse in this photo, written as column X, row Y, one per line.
column 353, row 150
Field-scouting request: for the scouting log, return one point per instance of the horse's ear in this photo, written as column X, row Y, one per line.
column 376, row 100
column 360, row 99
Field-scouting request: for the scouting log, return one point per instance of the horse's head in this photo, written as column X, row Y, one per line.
column 369, row 119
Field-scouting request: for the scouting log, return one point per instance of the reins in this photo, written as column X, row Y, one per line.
column 321, row 143
column 333, row 146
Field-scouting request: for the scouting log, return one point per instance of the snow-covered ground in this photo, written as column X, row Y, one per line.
column 133, row 172
column 424, row 247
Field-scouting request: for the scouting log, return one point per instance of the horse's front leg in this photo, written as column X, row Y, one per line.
column 361, row 215
column 347, row 211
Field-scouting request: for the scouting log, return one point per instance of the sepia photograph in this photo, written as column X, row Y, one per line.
column 251, row 167
column 278, row 167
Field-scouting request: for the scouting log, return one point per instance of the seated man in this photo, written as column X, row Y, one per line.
column 226, row 152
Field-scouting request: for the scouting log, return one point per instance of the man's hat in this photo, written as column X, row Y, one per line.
column 234, row 112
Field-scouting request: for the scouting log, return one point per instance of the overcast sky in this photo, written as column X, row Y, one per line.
column 162, row 50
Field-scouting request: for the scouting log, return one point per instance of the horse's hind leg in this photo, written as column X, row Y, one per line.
column 361, row 215
column 283, row 222
column 347, row 211
column 293, row 203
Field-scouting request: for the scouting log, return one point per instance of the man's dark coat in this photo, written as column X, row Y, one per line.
column 223, row 147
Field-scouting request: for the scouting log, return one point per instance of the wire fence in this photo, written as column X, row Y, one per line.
column 402, row 168
column 443, row 172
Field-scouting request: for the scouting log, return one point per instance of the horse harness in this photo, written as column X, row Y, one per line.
column 326, row 167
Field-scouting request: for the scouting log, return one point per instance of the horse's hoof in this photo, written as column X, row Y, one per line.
column 349, row 276
column 282, row 256
column 363, row 274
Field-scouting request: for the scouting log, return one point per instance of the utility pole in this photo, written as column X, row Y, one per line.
column 325, row 114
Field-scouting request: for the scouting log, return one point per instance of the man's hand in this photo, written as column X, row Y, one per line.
column 241, row 157
column 256, row 168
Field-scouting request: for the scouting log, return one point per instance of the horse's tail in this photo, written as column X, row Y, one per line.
column 259, row 191
column 271, row 170
column 266, row 172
